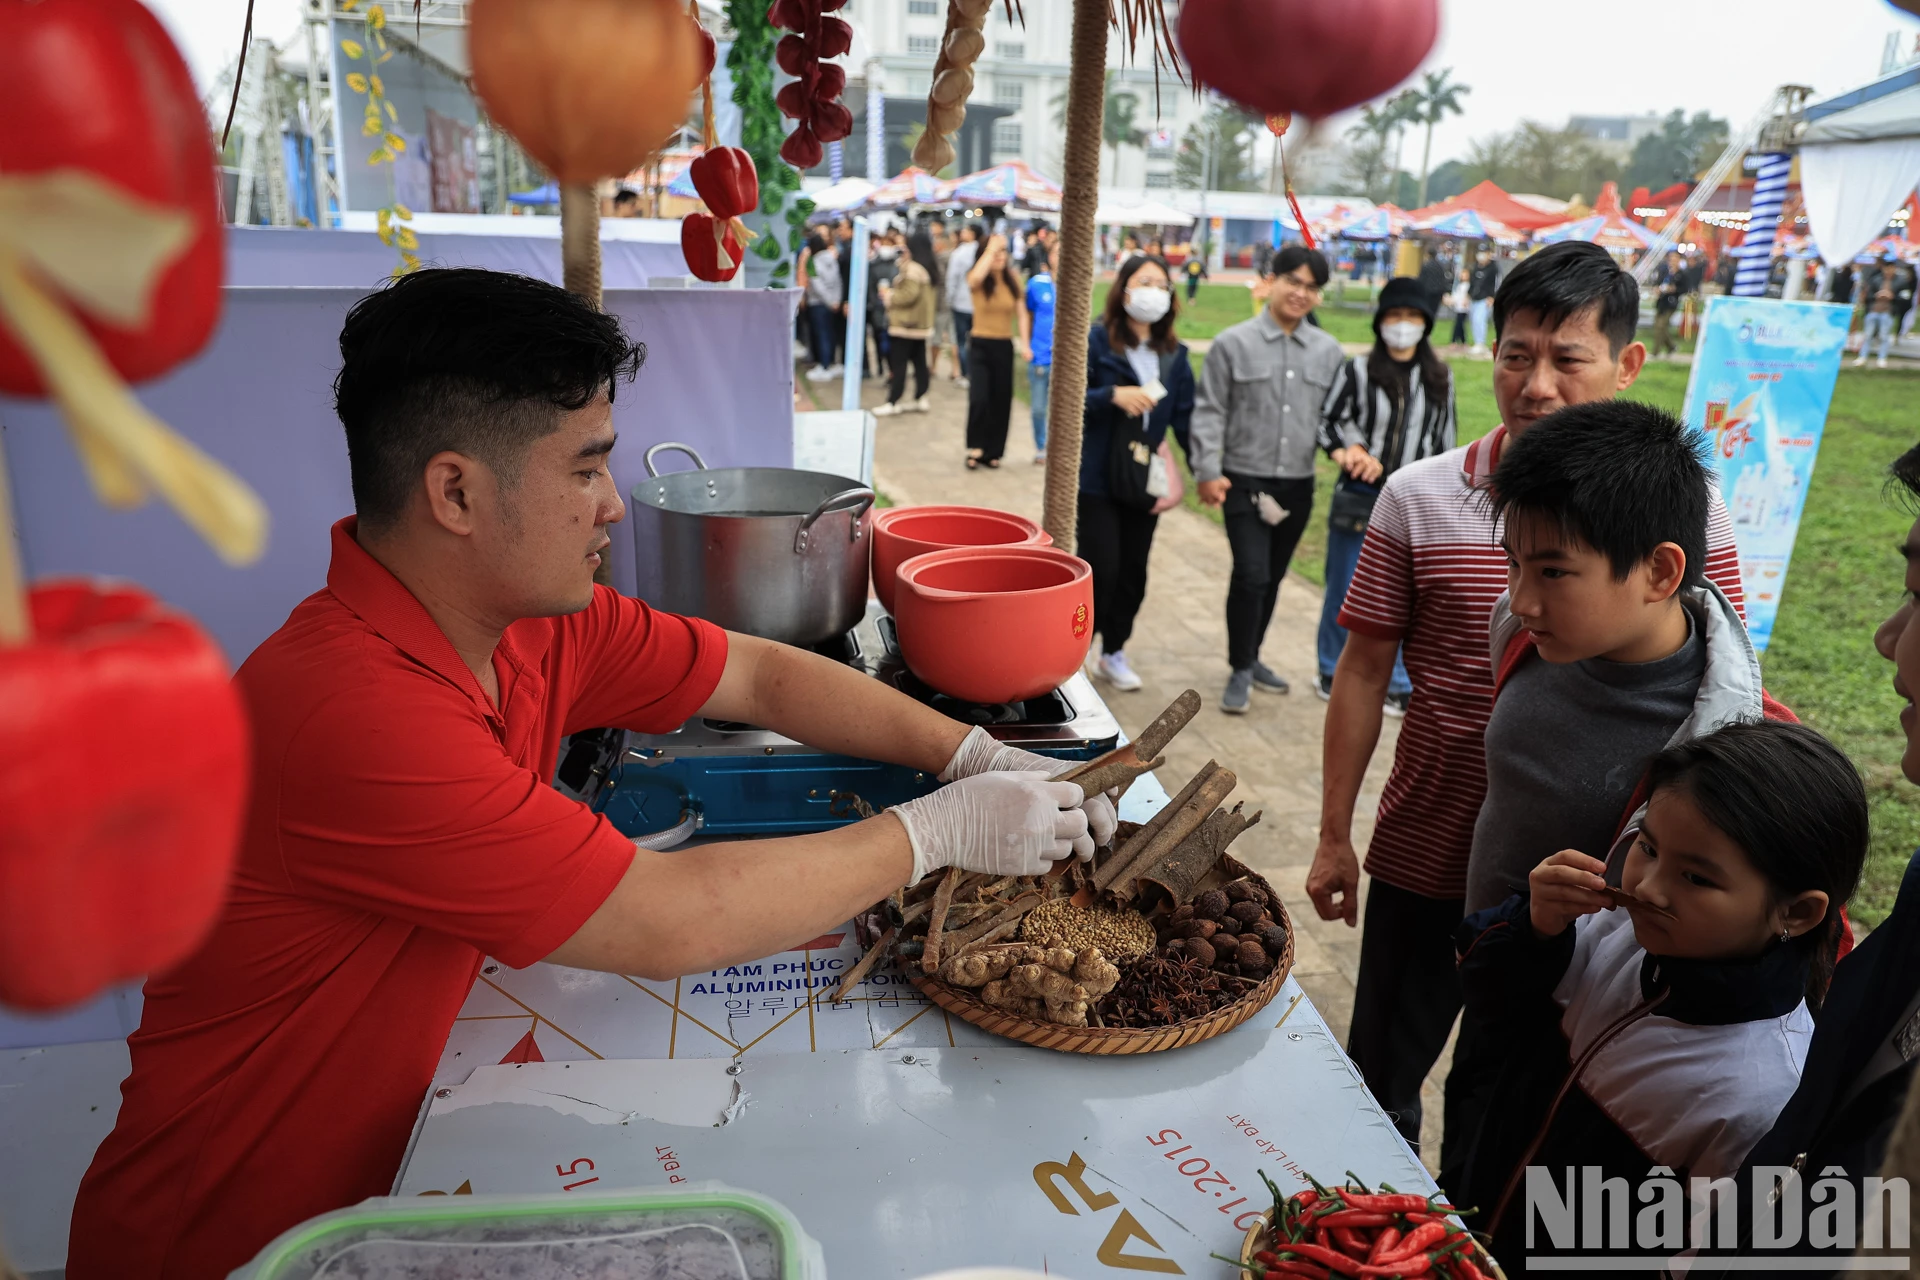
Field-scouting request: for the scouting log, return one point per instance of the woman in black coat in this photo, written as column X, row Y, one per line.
column 1139, row 384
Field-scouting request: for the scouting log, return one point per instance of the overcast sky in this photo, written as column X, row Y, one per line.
column 1538, row 59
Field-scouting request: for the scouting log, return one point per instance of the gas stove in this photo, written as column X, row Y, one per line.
column 722, row 778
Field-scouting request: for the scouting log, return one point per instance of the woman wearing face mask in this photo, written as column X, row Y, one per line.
column 1385, row 409
column 997, row 306
column 1139, row 383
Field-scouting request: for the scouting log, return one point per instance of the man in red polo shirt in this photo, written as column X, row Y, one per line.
column 406, row 721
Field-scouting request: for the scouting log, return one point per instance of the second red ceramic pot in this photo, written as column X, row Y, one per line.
column 995, row 624
column 901, row 533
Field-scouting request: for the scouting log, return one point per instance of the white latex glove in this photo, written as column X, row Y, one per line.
column 981, row 752
column 1005, row 824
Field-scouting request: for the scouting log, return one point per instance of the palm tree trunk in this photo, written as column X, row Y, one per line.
column 1073, row 291
column 580, row 242
column 1426, row 159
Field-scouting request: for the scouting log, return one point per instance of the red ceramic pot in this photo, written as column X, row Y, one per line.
column 901, row 533
column 995, row 624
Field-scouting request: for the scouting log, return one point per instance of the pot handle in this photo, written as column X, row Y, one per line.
column 668, row 444
column 845, row 500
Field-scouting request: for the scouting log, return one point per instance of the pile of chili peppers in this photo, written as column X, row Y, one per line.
column 1351, row 1231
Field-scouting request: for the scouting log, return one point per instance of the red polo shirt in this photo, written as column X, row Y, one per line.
column 401, row 827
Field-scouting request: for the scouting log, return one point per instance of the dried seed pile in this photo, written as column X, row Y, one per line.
column 1122, row 934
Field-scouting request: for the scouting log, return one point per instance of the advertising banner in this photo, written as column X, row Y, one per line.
column 1763, row 376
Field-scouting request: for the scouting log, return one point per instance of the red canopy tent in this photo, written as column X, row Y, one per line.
column 1491, row 202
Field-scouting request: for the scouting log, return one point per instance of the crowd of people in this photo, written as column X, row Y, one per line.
column 1556, row 610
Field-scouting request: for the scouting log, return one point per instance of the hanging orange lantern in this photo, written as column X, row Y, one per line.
column 588, row 87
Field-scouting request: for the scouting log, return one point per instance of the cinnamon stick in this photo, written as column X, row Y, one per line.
column 1107, row 773
column 1205, row 799
column 962, row 939
column 1151, row 742
column 860, row 970
column 1139, row 840
column 1182, row 868
column 942, row 901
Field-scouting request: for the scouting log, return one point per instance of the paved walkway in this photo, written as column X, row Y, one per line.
column 1179, row 642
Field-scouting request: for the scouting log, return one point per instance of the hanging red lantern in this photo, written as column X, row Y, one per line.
column 588, row 87
column 1279, row 123
column 109, row 873
column 99, row 103
column 1311, row 56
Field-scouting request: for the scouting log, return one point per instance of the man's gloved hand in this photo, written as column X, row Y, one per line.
column 981, row 752
column 1005, row 824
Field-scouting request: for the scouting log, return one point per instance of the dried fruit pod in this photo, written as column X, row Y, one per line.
column 834, row 38
column 1238, row 891
column 795, row 56
column 1211, row 905
column 1275, row 941
column 802, row 150
column 946, row 121
column 1246, row 912
column 1200, row 949
column 831, row 121
column 1250, row 955
column 932, row 153
column 951, row 89
column 964, row 46
column 1183, row 913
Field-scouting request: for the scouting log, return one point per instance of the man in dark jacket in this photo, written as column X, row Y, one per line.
column 1481, row 286
column 1861, row 1060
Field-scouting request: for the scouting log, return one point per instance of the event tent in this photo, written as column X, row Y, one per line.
column 1859, row 160
column 1384, row 223
column 912, row 185
column 1608, row 226
column 1490, row 201
column 1146, row 213
column 1466, row 224
column 1012, row 184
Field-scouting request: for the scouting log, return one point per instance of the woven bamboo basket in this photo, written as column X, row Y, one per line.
column 1258, row 1239
column 961, row 1002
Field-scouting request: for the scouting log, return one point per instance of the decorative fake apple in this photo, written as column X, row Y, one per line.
column 100, row 112
column 123, row 777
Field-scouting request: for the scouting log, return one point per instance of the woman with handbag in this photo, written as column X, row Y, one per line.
column 1139, row 383
column 1385, row 409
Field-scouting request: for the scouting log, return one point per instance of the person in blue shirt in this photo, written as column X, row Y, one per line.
column 1036, row 326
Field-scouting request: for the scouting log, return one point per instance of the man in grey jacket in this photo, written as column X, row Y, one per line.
column 1256, row 423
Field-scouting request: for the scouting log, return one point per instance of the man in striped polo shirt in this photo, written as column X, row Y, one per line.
column 1429, row 573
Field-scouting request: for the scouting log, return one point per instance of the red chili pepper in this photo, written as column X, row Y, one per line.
column 1334, row 1260
column 1395, row 1203
column 1419, row 1240
column 1265, row 1257
column 1323, row 1237
column 1350, row 1242
column 1282, row 1270
column 1355, row 1218
column 1384, row 1243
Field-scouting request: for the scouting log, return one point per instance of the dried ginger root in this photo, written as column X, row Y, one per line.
column 1068, row 1013
column 1095, row 973
column 999, row 994
column 977, row 968
column 1042, row 983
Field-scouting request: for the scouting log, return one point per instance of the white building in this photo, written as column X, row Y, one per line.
column 1016, row 81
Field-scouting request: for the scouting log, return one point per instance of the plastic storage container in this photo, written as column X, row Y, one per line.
column 701, row 1232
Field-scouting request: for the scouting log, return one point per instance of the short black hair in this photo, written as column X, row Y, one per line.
column 1903, row 479
column 1796, row 807
column 1565, row 279
column 1619, row 476
column 478, row 362
column 1293, row 256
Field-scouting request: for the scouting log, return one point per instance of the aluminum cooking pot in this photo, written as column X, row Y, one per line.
column 767, row 551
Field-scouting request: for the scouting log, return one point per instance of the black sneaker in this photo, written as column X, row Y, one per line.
column 1322, row 687
column 1396, row 704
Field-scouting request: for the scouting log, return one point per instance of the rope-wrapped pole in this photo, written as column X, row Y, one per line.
column 1073, row 292
column 580, row 241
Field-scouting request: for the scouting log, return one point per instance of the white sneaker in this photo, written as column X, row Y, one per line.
column 819, row 373
column 887, row 410
column 1861, row 362
column 922, row 405
column 1882, row 363
column 835, row 371
column 962, row 380
column 1116, row 671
